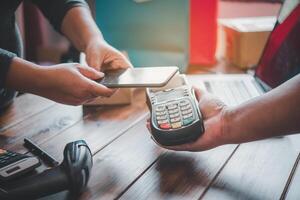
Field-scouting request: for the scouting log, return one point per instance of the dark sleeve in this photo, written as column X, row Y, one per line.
column 55, row 10
column 5, row 60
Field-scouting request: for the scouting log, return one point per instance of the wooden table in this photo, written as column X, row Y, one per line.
column 129, row 165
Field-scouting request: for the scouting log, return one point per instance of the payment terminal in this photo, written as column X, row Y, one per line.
column 14, row 164
column 175, row 115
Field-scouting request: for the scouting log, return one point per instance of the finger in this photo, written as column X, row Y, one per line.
column 94, row 59
column 203, row 101
column 183, row 147
column 89, row 101
column 123, row 61
column 116, row 60
column 100, row 90
column 120, row 64
column 210, row 107
column 148, row 126
column 199, row 93
column 90, row 73
column 208, row 140
column 116, row 64
column 199, row 145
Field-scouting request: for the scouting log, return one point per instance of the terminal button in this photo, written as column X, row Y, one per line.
column 163, row 117
column 185, row 112
column 176, row 125
column 186, row 107
column 188, row 121
column 184, row 102
column 187, row 116
column 160, row 108
column 173, row 111
column 176, row 119
column 165, row 126
column 161, row 113
column 162, row 121
column 172, row 106
column 174, row 115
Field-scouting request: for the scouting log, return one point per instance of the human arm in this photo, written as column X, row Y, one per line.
column 272, row 114
column 69, row 83
column 88, row 39
column 75, row 21
column 5, row 61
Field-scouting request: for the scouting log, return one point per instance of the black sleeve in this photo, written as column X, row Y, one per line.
column 5, row 60
column 55, row 10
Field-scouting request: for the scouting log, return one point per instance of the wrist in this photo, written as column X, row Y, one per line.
column 93, row 40
column 22, row 75
column 228, row 125
column 41, row 79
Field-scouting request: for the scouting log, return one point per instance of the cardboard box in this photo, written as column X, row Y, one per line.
column 120, row 97
column 245, row 39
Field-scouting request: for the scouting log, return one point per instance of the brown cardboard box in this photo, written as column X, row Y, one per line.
column 246, row 39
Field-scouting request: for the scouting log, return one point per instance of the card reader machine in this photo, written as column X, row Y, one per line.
column 14, row 164
column 175, row 115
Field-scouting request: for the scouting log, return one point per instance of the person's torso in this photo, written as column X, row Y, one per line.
column 9, row 37
column 9, row 40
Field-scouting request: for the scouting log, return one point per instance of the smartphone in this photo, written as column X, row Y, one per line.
column 139, row 77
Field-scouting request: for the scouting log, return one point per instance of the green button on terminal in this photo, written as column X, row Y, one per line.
column 188, row 121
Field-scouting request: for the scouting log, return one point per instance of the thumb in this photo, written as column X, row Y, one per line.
column 116, row 60
column 100, row 90
column 210, row 105
column 198, row 93
column 119, row 63
column 90, row 73
column 94, row 58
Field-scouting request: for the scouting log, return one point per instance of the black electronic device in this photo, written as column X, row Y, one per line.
column 13, row 165
column 72, row 174
column 175, row 115
column 35, row 149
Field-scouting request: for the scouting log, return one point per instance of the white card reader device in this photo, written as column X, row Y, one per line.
column 175, row 115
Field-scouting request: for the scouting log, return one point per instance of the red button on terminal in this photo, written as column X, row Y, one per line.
column 165, row 126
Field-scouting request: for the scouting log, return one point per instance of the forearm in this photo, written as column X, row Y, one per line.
column 23, row 76
column 275, row 113
column 79, row 26
column 68, row 83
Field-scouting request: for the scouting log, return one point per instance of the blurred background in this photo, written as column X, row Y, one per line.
column 192, row 34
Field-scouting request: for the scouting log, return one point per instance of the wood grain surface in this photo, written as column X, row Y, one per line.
column 24, row 107
column 129, row 165
column 257, row 170
column 180, row 175
column 293, row 189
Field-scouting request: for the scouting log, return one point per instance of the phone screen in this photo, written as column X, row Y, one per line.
column 139, row 77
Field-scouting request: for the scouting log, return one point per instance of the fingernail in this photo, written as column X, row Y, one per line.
column 101, row 74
